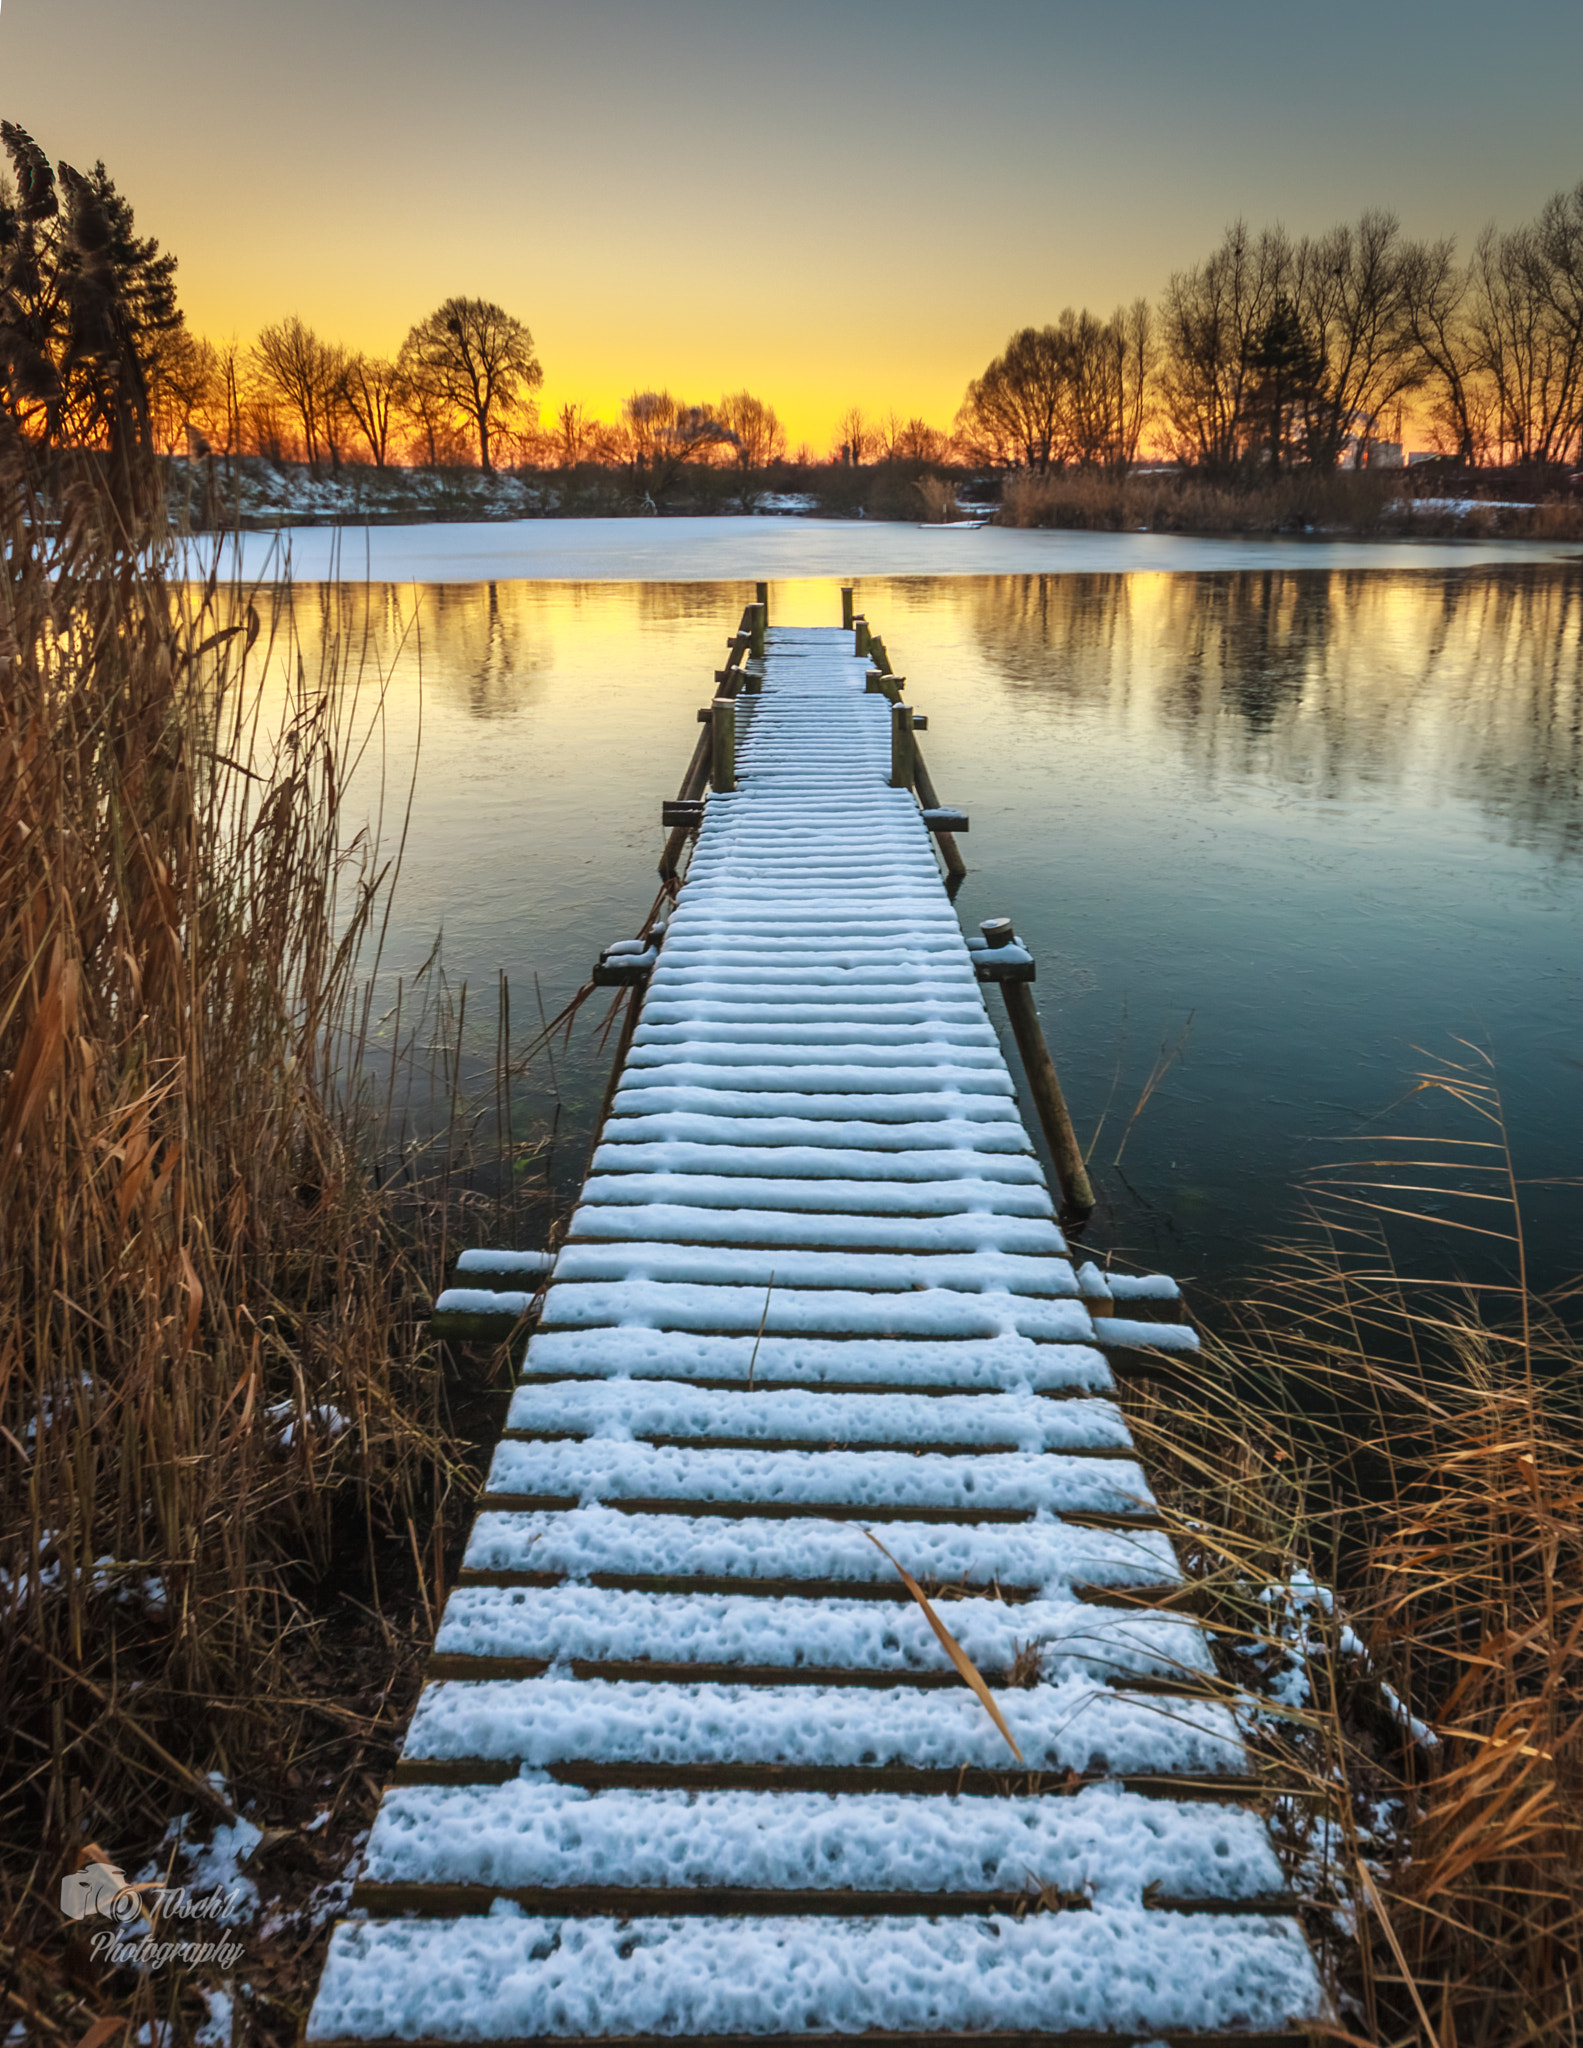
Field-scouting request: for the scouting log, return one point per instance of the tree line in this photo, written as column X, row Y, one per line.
column 1271, row 353
column 1274, row 353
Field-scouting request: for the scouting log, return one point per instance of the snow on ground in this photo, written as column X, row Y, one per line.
column 726, row 550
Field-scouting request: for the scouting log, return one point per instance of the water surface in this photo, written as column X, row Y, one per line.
column 1330, row 815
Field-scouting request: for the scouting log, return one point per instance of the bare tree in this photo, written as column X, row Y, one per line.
column 1109, row 367
column 372, row 392
column 1350, row 289
column 1134, row 354
column 856, row 440
column 664, row 434
column 915, row 441
column 1559, row 239
column 575, row 436
column 758, row 436
column 1016, row 412
column 301, row 372
column 231, row 369
column 1436, row 296
column 1277, row 351
column 183, row 383
column 1213, row 318
column 473, row 357
column 1527, row 324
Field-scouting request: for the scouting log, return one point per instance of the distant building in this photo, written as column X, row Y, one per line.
column 1362, row 451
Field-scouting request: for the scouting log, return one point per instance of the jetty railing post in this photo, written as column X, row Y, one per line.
column 723, row 751
column 846, row 607
column 860, row 630
column 928, row 796
column 760, row 619
column 761, row 594
column 903, row 747
column 694, row 783
column 1077, row 1190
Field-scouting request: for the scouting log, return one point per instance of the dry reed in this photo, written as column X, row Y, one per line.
column 1418, row 1451
column 216, row 1393
column 1348, row 501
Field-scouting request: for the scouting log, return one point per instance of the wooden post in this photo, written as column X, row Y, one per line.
column 694, row 783
column 877, row 654
column 629, row 1026
column 760, row 615
column 928, row 796
column 723, row 752
column 846, row 608
column 903, row 747
column 761, row 592
column 1077, row 1192
column 860, row 628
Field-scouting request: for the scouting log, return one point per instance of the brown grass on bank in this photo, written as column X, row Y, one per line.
column 215, row 1388
column 1430, row 1469
column 1348, row 501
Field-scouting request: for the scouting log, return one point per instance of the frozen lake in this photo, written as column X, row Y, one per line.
column 747, row 550
column 1329, row 808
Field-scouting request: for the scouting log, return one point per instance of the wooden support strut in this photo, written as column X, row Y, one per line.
column 846, row 607
column 1077, row 1191
column 923, row 782
column 889, row 684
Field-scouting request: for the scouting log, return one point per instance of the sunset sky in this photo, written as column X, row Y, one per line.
column 832, row 202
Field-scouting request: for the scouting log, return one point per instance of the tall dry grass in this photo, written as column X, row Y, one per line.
column 1419, row 1451
column 216, row 1391
column 1347, row 501
column 1187, row 503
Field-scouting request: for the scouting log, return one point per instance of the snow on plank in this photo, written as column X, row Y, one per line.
column 961, row 1196
column 968, row 1484
column 562, row 1724
column 599, row 1542
column 643, row 1409
column 1001, row 1361
column 634, row 1120
column 833, row 1637
column 682, row 1223
column 982, row 1272
column 772, row 1310
column 1096, row 1845
column 877, row 1170
column 514, row 1976
column 850, row 1083
column 793, row 1056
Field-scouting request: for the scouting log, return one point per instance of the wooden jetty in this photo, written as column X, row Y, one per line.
column 693, row 1762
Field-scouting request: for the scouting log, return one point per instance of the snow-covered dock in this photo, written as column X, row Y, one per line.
column 693, row 1763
